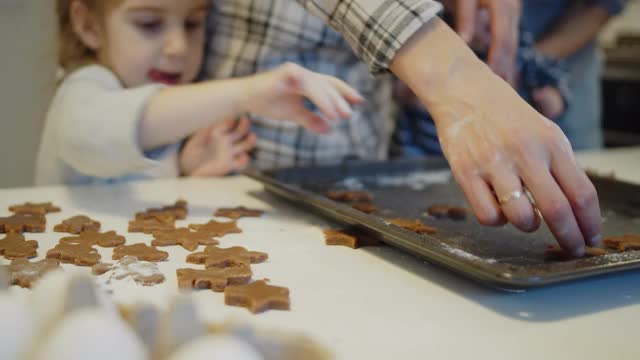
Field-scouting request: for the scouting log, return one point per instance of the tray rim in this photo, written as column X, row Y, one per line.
column 507, row 277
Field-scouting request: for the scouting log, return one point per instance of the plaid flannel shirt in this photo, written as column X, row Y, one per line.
column 348, row 39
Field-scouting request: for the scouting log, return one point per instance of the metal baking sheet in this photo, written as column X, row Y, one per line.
column 501, row 257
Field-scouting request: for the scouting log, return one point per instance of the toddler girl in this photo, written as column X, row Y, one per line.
column 126, row 102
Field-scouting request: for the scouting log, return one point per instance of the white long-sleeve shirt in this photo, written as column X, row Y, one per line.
column 91, row 133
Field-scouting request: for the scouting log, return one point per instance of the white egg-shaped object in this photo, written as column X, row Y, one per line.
column 91, row 333
column 216, row 347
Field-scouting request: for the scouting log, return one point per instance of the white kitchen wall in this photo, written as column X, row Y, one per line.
column 27, row 68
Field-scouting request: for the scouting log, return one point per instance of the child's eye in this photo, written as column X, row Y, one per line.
column 150, row 27
column 193, row 25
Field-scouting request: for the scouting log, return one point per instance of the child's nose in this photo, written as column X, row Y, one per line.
column 176, row 43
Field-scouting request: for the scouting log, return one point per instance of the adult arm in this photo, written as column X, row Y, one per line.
column 496, row 142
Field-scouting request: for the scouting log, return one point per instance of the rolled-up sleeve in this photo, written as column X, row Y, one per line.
column 99, row 125
column 613, row 7
column 375, row 29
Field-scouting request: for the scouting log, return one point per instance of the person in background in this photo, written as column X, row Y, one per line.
column 126, row 102
column 566, row 31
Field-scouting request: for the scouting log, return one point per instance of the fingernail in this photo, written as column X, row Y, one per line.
column 595, row 240
column 578, row 252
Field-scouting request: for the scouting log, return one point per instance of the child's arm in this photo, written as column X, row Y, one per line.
column 174, row 113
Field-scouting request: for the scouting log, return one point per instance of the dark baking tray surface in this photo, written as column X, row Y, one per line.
column 500, row 257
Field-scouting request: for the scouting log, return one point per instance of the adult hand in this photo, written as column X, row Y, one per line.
column 504, row 18
column 496, row 143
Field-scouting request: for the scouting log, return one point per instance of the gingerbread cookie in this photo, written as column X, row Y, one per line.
column 214, row 279
column 77, row 224
column 91, row 238
column 348, row 239
column 365, row 207
column 178, row 211
column 34, row 208
column 623, row 243
column 140, row 251
column 413, row 225
column 218, row 229
column 257, row 296
column 24, row 273
column 24, row 222
column 77, row 254
column 350, row 196
column 213, row 256
column 14, row 246
column 152, row 222
column 446, row 211
column 555, row 252
column 238, row 212
column 190, row 240
column 142, row 272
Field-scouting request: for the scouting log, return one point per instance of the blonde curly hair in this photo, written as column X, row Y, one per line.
column 72, row 52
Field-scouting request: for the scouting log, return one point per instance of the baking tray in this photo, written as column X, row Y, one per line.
column 503, row 257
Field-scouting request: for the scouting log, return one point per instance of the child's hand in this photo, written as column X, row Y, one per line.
column 280, row 94
column 218, row 149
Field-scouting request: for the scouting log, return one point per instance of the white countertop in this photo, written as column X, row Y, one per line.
column 372, row 303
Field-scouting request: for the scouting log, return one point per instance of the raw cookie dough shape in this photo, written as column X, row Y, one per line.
column 365, row 207
column 623, row 243
column 555, row 252
column 178, row 210
column 91, row 238
column 348, row 238
column 34, row 208
column 77, row 224
column 216, row 257
column 24, row 273
column 413, row 225
column 217, row 229
column 258, row 296
column 19, row 223
column 76, row 254
column 350, row 196
column 238, row 212
column 445, row 211
column 14, row 246
column 141, row 252
column 190, row 240
column 214, row 279
column 152, row 223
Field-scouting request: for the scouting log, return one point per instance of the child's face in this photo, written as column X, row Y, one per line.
column 154, row 41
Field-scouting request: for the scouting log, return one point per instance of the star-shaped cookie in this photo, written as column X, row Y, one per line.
column 190, row 240
column 238, row 212
column 217, row 229
column 213, row 256
column 257, row 296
